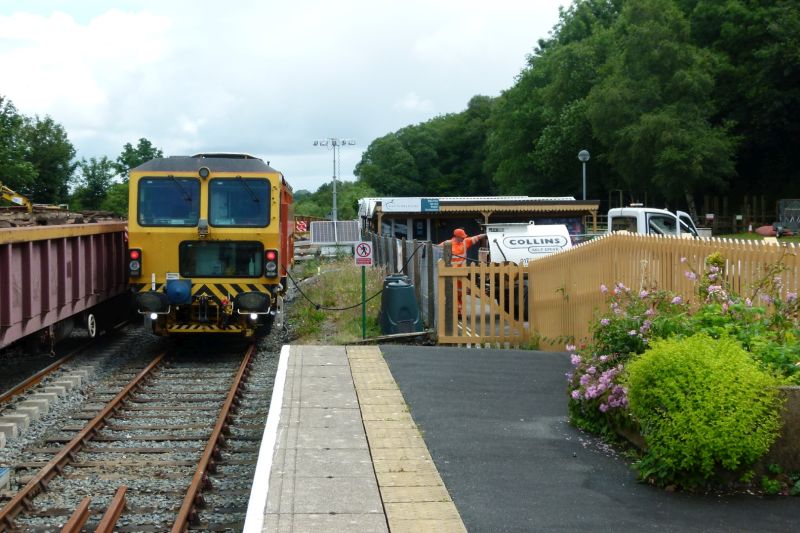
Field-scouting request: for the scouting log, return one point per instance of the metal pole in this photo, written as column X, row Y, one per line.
column 584, row 182
column 335, row 230
column 334, row 183
column 363, row 302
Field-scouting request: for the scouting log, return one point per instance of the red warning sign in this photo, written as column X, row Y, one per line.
column 363, row 253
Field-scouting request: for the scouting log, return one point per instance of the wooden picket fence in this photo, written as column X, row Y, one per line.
column 564, row 288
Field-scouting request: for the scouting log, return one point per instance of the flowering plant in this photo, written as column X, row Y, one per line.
column 766, row 323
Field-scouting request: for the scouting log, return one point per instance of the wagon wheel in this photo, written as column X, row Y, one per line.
column 91, row 325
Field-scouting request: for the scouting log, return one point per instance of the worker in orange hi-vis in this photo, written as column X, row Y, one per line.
column 459, row 245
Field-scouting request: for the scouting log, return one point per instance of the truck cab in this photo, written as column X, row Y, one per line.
column 651, row 221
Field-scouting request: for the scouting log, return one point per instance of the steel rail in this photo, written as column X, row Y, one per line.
column 187, row 514
column 40, row 375
column 78, row 518
column 67, row 453
column 112, row 514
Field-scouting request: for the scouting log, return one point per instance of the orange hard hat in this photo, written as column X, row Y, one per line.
column 460, row 233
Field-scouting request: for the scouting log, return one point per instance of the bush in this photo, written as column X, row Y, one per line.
column 704, row 407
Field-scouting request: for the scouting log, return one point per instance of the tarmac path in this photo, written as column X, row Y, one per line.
column 495, row 422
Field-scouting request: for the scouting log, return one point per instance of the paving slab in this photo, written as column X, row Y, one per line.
column 347, row 456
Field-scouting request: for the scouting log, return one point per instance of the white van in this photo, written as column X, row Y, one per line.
column 521, row 242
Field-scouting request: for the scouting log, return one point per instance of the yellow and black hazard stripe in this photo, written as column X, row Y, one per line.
column 204, row 328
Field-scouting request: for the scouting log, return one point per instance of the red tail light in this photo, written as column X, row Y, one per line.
column 134, row 262
column 271, row 263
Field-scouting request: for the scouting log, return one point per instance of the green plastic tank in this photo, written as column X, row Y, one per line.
column 399, row 311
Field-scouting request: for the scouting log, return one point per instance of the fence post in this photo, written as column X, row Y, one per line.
column 431, row 286
column 416, row 271
column 448, row 292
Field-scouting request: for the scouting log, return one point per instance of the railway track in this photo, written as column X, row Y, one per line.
column 180, row 437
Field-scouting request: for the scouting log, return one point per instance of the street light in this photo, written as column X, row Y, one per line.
column 335, row 145
column 583, row 155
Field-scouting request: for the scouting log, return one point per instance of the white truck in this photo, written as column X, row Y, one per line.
column 651, row 221
column 521, row 242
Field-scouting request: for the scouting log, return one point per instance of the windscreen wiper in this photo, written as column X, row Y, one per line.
column 246, row 186
column 186, row 195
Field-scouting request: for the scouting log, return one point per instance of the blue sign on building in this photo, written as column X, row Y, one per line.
column 430, row 205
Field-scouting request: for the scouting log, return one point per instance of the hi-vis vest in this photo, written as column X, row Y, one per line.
column 460, row 250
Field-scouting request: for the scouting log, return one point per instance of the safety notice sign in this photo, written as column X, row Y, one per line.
column 363, row 253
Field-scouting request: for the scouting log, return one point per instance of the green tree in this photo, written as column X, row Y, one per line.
column 653, row 110
column 51, row 154
column 94, row 183
column 389, row 168
column 132, row 157
column 15, row 171
column 116, row 199
column 320, row 203
column 757, row 46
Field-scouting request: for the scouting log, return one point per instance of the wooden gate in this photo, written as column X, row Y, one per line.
column 484, row 304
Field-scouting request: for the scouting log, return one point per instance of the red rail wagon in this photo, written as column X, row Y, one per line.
column 54, row 276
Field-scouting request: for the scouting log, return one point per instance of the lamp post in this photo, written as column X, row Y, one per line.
column 335, row 145
column 583, row 156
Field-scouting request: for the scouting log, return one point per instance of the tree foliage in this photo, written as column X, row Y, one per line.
column 94, row 183
column 51, row 154
column 673, row 98
column 15, row 171
column 320, row 203
column 132, row 157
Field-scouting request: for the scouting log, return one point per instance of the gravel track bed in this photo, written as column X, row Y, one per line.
column 156, row 488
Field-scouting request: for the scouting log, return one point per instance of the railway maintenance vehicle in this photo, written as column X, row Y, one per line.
column 210, row 243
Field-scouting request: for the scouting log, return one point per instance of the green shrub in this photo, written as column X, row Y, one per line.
column 704, row 407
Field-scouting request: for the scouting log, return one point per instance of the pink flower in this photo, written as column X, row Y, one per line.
column 649, row 312
column 603, row 289
column 632, row 333
column 570, row 347
column 575, row 360
column 683, row 259
column 603, row 358
column 576, row 394
column 677, row 300
column 691, row 276
column 604, row 322
column 591, row 370
column 603, row 408
column 643, row 294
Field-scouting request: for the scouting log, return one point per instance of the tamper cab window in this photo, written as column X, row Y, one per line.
column 168, row 201
column 221, row 259
column 239, row 202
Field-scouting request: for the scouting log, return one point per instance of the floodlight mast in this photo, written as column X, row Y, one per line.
column 335, row 143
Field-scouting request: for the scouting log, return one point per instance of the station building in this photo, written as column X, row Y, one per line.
column 435, row 218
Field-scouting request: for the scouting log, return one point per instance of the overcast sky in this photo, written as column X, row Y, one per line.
column 261, row 77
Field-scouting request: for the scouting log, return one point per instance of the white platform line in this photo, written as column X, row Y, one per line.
column 256, row 506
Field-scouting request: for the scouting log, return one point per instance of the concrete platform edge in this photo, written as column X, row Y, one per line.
column 254, row 520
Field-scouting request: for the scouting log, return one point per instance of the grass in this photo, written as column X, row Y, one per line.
column 334, row 283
